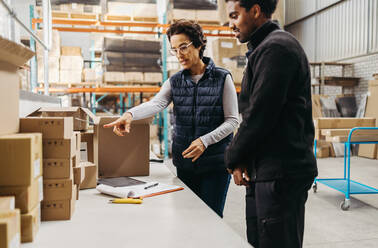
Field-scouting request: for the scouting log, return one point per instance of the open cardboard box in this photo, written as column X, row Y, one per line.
column 123, row 156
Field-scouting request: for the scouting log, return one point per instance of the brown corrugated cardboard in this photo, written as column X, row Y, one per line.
column 70, row 51
column 80, row 115
column 91, row 175
column 12, row 56
column 59, row 209
column 322, row 152
column 79, row 174
column 10, row 228
column 123, row 156
column 7, row 203
column 26, row 197
column 57, row 189
column 55, row 168
column 59, row 148
column 330, row 123
column 87, row 147
column 50, row 127
column 30, row 224
column 78, row 145
column 20, row 159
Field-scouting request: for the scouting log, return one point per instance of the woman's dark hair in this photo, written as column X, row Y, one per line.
column 192, row 30
column 267, row 6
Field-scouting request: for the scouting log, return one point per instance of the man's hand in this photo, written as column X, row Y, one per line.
column 241, row 176
column 121, row 125
column 195, row 150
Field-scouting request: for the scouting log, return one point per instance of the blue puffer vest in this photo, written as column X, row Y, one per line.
column 198, row 110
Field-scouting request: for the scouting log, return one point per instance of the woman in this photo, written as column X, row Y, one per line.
column 206, row 114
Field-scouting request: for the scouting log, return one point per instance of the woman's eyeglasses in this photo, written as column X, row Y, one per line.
column 184, row 49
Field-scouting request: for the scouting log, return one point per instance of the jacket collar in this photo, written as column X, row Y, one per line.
column 209, row 68
column 260, row 34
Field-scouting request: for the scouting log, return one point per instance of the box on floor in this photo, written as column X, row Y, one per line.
column 10, row 228
column 58, row 209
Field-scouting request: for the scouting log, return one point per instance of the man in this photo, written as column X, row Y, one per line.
column 272, row 151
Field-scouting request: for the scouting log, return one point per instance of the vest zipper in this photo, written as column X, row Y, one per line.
column 195, row 109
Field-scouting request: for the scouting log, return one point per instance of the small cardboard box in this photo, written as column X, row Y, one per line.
column 80, row 115
column 59, row 148
column 79, row 174
column 12, row 56
column 30, row 223
column 7, row 203
column 50, row 127
column 55, row 168
column 26, row 197
column 20, row 159
column 123, row 156
column 57, row 189
column 91, row 175
column 70, row 51
column 10, row 228
column 88, row 149
column 59, row 209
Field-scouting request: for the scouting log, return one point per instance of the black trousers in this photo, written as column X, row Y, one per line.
column 275, row 212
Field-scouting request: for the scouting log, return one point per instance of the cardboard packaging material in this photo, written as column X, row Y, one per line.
column 10, row 228
column 80, row 115
column 57, row 168
column 90, row 75
column 79, row 174
column 59, row 148
column 71, row 51
column 70, row 76
column 91, row 175
column 30, row 223
column 323, row 152
column 57, row 189
column 71, row 63
column 50, row 127
column 12, row 56
column 78, row 146
column 114, row 77
column 20, row 159
column 225, row 48
column 26, row 197
column 134, row 77
column 153, row 77
column 123, row 156
column 7, row 203
column 88, row 148
column 58, row 209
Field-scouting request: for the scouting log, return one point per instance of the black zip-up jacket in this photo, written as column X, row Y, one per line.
column 275, row 138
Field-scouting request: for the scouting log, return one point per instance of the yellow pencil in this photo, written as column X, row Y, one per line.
column 126, row 201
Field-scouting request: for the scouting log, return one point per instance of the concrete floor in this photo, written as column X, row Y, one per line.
column 326, row 224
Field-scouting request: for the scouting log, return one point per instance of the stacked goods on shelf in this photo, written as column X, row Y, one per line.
column 131, row 61
column 119, row 11
column 71, row 65
column 227, row 53
column 201, row 11
column 371, row 150
column 20, row 176
column 53, row 60
column 329, row 130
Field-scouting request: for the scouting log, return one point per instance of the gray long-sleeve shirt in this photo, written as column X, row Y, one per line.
column 164, row 98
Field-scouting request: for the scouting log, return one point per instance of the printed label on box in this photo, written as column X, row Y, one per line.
column 37, row 168
column 40, row 186
column 227, row 44
column 12, row 203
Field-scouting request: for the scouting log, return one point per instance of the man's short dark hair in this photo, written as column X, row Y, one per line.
column 191, row 29
column 267, row 6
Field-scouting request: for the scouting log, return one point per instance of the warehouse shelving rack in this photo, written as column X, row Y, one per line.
column 345, row 185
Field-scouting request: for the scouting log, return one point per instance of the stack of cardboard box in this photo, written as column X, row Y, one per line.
column 71, row 65
column 59, row 156
column 20, row 175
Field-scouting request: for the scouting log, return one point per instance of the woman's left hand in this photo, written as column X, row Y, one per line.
column 195, row 150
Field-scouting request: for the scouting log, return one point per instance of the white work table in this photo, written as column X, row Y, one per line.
column 178, row 219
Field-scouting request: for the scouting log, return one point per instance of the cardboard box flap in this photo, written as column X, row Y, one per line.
column 92, row 116
column 13, row 53
column 107, row 119
column 39, row 112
